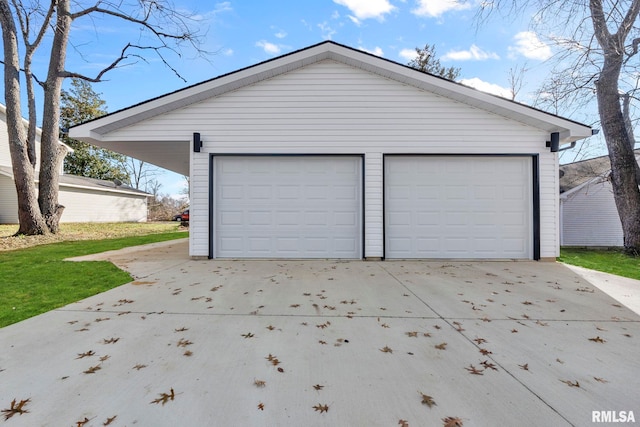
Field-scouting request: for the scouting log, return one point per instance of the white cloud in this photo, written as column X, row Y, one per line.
column 227, row 52
column 355, row 20
column 327, row 31
column 474, row 53
column 281, row 34
column 365, row 9
column 377, row 51
column 436, row 8
column 487, row 87
column 270, row 48
column 408, row 54
column 530, row 46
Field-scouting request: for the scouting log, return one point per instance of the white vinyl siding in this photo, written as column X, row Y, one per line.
column 330, row 107
column 81, row 205
column 287, row 207
column 458, row 207
column 589, row 216
column 8, row 201
column 84, row 205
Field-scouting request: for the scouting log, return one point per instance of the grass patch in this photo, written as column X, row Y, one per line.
column 36, row 279
column 83, row 231
column 612, row 261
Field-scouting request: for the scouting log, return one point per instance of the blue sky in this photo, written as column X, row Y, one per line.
column 244, row 32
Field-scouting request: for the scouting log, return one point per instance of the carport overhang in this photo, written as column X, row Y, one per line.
column 110, row 131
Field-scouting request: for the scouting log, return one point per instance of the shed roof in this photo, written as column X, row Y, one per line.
column 175, row 157
column 83, row 182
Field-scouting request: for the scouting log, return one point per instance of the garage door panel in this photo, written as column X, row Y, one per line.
column 458, row 207
column 288, row 207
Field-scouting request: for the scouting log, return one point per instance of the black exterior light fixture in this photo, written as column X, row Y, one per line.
column 554, row 144
column 197, row 143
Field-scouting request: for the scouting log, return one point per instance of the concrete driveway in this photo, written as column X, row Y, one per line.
column 326, row 343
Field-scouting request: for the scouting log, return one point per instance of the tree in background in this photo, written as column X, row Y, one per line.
column 80, row 104
column 161, row 31
column 598, row 43
column 426, row 61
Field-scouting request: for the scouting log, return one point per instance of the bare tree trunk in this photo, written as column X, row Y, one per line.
column 52, row 151
column 623, row 162
column 31, row 221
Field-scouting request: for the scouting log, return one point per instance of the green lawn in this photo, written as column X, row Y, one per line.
column 36, row 279
column 609, row 261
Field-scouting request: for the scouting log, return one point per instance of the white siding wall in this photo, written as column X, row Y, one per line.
column 5, row 155
column 8, row 201
column 199, row 203
column 590, row 218
column 329, row 107
column 373, row 200
column 82, row 205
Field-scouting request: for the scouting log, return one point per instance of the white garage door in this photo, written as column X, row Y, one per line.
column 288, row 207
column 458, row 207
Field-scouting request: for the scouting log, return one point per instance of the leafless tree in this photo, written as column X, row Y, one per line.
column 597, row 59
column 516, row 80
column 163, row 30
column 141, row 174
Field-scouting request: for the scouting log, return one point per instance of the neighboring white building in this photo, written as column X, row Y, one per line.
column 588, row 214
column 84, row 199
column 330, row 152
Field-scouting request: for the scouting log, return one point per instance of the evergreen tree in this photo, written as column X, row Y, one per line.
column 427, row 62
column 79, row 104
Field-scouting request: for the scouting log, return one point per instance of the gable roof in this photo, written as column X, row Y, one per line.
column 96, row 131
column 576, row 174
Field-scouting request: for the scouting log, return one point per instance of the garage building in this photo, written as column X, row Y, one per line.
column 331, row 152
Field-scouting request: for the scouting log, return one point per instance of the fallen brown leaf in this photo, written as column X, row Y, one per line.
column 16, row 408
column 427, row 400
column 321, row 408
column 386, row 349
column 452, row 422
column 92, row 370
column 82, row 422
column 85, row 354
column 488, row 365
column 570, row 383
column 403, row 423
column 261, row 406
column 441, row 346
column 109, row 420
column 597, row 339
column 475, row 371
column 164, row 397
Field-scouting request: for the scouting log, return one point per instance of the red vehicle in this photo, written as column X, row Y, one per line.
column 184, row 216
